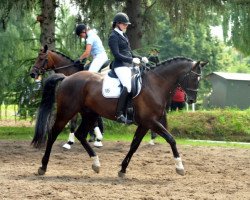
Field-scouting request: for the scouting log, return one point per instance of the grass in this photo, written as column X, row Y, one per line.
column 190, row 128
column 26, row 134
column 8, row 111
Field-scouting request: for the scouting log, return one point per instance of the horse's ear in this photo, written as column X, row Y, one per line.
column 204, row 63
column 45, row 48
column 196, row 64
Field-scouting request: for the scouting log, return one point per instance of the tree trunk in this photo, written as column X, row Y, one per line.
column 47, row 23
column 134, row 30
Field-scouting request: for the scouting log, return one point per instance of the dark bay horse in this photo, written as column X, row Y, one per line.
column 82, row 92
column 48, row 60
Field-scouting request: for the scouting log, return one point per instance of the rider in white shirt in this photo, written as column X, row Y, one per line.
column 94, row 47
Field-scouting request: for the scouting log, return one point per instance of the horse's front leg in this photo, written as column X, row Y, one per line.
column 81, row 134
column 139, row 134
column 161, row 130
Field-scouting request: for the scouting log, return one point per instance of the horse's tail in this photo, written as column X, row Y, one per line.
column 45, row 110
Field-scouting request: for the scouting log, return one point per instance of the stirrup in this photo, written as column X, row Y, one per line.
column 122, row 119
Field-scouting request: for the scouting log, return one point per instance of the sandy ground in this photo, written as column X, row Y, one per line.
column 211, row 173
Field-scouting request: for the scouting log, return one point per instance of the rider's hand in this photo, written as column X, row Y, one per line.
column 136, row 61
column 144, row 60
column 77, row 62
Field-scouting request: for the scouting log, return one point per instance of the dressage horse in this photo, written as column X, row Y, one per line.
column 48, row 60
column 82, row 93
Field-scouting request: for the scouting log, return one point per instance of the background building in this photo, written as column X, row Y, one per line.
column 229, row 90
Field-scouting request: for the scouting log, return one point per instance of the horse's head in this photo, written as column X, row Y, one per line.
column 40, row 64
column 190, row 81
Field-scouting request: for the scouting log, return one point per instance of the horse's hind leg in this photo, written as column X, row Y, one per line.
column 86, row 125
column 139, row 134
column 160, row 129
column 56, row 129
column 71, row 140
column 98, row 131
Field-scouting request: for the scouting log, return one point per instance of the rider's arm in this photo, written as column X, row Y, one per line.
column 87, row 51
column 113, row 45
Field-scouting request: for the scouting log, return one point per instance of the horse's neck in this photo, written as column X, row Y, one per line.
column 60, row 62
column 173, row 71
column 159, row 86
column 163, row 80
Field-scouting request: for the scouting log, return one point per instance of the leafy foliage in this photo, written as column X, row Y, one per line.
column 236, row 24
column 174, row 27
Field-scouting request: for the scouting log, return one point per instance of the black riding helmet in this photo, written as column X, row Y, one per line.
column 121, row 18
column 80, row 28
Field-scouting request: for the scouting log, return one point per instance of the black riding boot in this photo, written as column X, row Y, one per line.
column 121, row 106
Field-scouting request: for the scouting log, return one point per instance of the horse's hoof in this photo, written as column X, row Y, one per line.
column 41, row 171
column 96, row 168
column 121, row 174
column 180, row 171
column 67, row 146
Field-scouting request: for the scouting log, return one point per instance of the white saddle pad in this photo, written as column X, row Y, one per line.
column 111, row 87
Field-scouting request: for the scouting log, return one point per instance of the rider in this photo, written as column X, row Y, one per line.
column 94, row 47
column 123, row 60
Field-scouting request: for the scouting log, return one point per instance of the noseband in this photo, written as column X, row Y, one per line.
column 42, row 70
column 184, row 82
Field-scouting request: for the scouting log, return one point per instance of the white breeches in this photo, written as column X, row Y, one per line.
column 124, row 75
column 98, row 61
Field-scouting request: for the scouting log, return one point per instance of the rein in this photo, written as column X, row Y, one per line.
column 66, row 66
column 42, row 70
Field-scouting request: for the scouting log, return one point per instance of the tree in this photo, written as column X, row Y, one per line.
column 47, row 22
column 99, row 13
column 17, row 9
column 236, row 24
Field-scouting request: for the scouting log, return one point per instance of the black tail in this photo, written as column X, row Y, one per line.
column 45, row 109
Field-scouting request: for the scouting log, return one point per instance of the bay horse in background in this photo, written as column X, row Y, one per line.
column 82, row 93
column 49, row 60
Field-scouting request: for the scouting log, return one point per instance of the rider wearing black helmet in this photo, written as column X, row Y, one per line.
column 94, row 47
column 123, row 60
column 80, row 29
column 121, row 18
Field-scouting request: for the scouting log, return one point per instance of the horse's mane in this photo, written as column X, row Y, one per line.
column 63, row 55
column 173, row 60
column 164, row 63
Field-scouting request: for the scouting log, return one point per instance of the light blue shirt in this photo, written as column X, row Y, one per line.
column 96, row 43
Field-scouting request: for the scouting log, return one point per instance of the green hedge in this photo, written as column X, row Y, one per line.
column 219, row 124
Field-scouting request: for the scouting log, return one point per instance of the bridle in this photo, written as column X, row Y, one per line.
column 42, row 70
column 184, row 82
